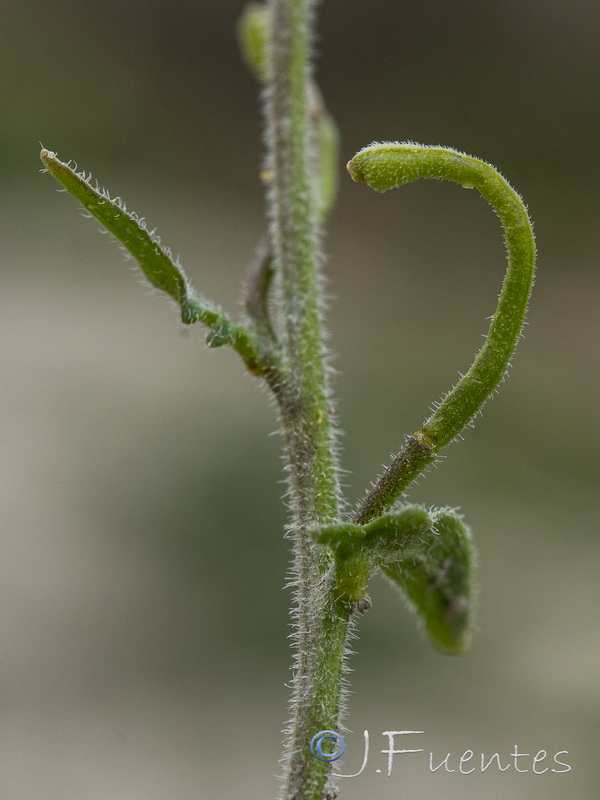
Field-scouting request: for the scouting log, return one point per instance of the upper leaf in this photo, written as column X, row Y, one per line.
column 156, row 262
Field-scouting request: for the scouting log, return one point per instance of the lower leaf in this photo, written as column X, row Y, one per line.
column 438, row 581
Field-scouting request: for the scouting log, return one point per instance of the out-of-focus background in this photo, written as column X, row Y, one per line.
column 144, row 623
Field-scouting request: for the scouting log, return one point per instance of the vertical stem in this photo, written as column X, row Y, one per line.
column 294, row 231
column 320, row 622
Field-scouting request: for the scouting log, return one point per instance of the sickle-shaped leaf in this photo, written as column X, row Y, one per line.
column 388, row 165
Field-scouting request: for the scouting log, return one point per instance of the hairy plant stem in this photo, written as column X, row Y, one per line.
column 321, row 622
column 426, row 554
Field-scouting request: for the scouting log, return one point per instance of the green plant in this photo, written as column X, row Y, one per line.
column 425, row 553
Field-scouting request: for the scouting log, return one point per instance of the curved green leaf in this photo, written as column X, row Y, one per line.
column 388, row 165
column 437, row 580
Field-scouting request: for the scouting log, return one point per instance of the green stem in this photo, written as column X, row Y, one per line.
column 386, row 166
column 321, row 623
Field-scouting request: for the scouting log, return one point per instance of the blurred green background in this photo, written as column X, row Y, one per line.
column 144, row 623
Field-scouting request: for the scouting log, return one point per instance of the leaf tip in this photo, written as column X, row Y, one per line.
column 352, row 170
column 46, row 156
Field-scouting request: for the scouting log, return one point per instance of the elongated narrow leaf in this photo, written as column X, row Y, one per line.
column 437, row 580
column 387, row 165
column 156, row 262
